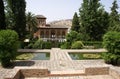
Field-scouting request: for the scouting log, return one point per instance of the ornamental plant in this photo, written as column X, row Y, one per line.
column 8, row 46
column 111, row 42
column 77, row 45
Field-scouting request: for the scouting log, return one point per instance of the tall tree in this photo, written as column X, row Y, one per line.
column 2, row 16
column 114, row 18
column 91, row 18
column 75, row 23
column 84, row 20
column 9, row 16
column 18, row 10
column 103, row 21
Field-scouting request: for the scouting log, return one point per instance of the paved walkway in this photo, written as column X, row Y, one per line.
column 60, row 63
column 78, row 77
column 59, row 55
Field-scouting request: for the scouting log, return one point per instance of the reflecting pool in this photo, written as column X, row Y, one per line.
column 41, row 56
column 80, row 56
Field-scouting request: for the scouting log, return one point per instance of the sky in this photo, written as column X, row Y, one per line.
column 60, row 9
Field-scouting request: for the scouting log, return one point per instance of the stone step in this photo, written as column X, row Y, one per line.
column 77, row 77
column 67, row 73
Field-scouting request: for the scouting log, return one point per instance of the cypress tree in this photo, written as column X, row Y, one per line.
column 84, row 20
column 114, row 24
column 18, row 10
column 75, row 23
column 9, row 16
column 2, row 16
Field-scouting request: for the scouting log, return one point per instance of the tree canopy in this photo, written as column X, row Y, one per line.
column 18, row 10
column 2, row 16
column 31, row 23
column 114, row 18
column 93, row 23
column 75, row 23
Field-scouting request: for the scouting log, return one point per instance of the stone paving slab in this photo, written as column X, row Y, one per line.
column 85, row 50
column 59, row 55
column 5, row 72
column 78, row 77
column 33, row 50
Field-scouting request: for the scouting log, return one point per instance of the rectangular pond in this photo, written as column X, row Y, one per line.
column 81, row 56
column 34, row 56
column 41, row 56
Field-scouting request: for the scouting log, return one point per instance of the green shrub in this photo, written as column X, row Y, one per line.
column 118, row 61
column 47, row 45
column 73, row 36
column 111, row 42
column 21, row 45
column 96, row 44
column 30, row 45
column 38, row 44
column 66, row 45
column 8, row 46
column 77, row 45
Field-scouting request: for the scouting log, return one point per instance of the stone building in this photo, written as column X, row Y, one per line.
column 49, row 32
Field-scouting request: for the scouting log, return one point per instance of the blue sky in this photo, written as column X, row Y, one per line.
column 59, row 9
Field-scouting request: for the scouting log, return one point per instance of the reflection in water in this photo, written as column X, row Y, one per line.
column 41, row 56
column 76, row 56
column 79, row 56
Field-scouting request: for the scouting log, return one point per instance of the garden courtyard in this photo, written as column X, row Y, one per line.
column 85, row 45
column 61, row 66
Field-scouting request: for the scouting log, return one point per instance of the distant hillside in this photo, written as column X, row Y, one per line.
column 67, row 22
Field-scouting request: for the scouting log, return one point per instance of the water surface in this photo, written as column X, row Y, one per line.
column 41, row 56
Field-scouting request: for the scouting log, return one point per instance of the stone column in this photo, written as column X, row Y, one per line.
column 61, row 35
column 55, row 33
column 49, row 34
column 44, row 33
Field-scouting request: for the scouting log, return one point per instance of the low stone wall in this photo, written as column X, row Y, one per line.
column 114, row 73
column 34, row 73
column 14, row 74
column 22, row 72
column 17, row 76
column 97, row 71
column 27, row 72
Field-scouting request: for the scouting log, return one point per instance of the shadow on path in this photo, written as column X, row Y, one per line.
column 23, row 63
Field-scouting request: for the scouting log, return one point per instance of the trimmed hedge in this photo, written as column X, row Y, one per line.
column 96, row 44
